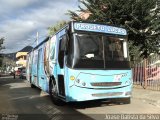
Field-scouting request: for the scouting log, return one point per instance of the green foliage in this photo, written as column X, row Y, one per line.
column 1, row 47
column 1, row 43
column 140, row 17
column 53, row 29
column 0, row 61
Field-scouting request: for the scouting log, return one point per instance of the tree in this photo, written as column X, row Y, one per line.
column 1, row 42
column 1, row 59
column 1, row 47
column 53, row 29
column 138, row 16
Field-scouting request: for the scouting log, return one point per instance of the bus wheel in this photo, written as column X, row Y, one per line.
column 124, row 100
column 32, row 86
column 54, row 93
column 127, row 100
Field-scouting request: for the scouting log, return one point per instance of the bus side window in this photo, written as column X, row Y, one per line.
column 52, row 52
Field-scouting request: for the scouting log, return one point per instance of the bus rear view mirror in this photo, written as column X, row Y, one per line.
column 63, row 43
column 62, row 50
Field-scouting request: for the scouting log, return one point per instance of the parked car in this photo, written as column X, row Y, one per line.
column 17, row 73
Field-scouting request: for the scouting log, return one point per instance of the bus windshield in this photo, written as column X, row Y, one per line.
column 99, row 51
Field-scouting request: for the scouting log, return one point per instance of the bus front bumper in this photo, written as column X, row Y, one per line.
column 85, row 94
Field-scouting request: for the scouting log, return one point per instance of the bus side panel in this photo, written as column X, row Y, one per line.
column 39, row 69
column 45, row 66
column 34, row 68
column 27, row 68
column 49, row 62
column 52, row 56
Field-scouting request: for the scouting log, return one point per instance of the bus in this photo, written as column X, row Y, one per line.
column 81, row 62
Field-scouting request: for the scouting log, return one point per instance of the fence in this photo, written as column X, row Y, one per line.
column 146, row 74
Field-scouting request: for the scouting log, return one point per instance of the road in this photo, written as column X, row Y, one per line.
column 20, row 101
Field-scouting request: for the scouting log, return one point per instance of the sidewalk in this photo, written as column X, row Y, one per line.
column 150, row 96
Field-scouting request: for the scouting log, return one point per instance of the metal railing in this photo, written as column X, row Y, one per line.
column 146, row 74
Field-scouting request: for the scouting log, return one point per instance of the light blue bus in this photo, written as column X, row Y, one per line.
column 82, row 62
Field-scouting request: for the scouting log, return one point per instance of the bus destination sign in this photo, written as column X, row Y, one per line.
column 99, row 28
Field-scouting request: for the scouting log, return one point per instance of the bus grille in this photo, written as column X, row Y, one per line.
column 107, row 94
column 105, row 84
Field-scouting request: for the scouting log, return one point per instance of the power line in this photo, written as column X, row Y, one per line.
column 35, row 40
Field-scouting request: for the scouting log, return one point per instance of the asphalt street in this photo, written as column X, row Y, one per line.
column 19, row 101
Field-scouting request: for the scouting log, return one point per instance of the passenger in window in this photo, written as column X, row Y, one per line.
column 118, row 50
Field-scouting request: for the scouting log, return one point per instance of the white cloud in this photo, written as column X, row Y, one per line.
column 13, row 6
column 18, row 3
column 22, row 20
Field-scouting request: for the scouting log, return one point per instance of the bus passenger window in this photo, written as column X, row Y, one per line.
column 52, row 53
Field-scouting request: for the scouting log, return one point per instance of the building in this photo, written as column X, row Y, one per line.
column 21, row 59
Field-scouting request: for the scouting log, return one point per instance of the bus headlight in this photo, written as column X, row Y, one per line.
column 84, row 84
column 128, row 82
column 72, row 78
column 124, row 75
column 78, row 80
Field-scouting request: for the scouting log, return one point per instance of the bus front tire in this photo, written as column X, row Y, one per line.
column 122, row 100
column 32, row 86
column 53, row 92
column 127, row 100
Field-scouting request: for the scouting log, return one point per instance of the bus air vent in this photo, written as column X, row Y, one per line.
column 106, row 84
column 107, row 94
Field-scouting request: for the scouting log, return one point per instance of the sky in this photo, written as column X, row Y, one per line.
column 20, row 20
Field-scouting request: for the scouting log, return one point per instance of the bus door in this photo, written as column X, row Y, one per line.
column 61, row 54
column 39, row 69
